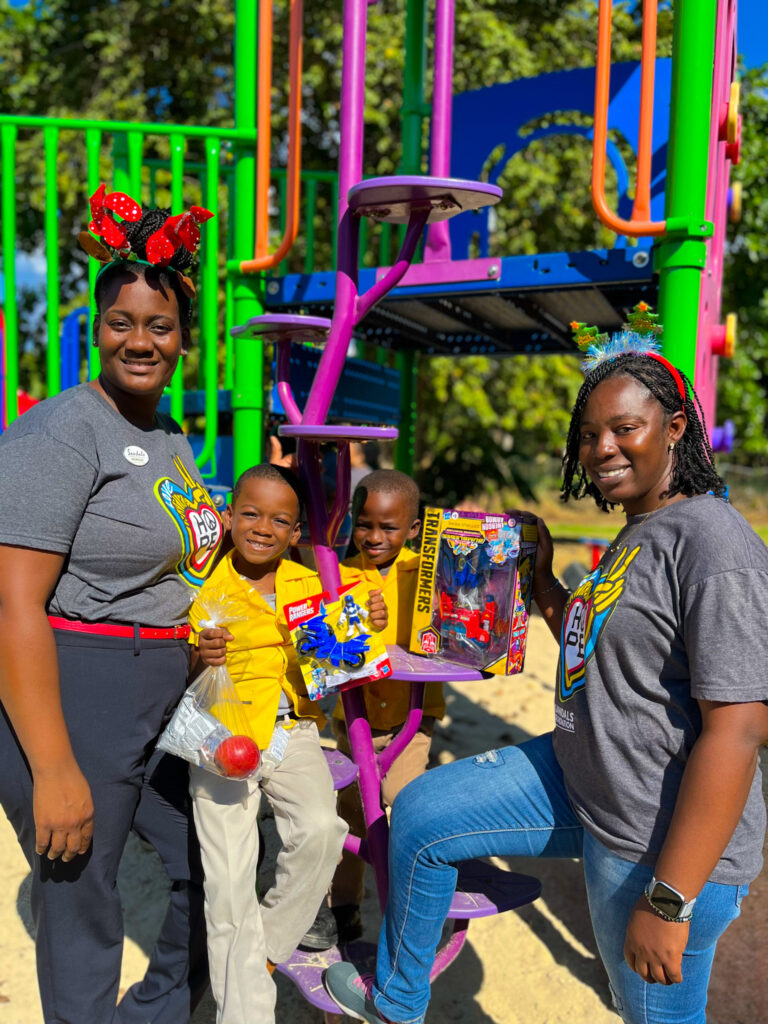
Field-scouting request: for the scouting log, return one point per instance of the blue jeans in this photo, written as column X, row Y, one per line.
column 512, row 802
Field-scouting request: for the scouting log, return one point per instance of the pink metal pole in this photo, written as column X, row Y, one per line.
column 350, row 173
column 438, row 244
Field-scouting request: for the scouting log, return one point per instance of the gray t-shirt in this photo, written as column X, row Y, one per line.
column 126, row 506
column 676, row 613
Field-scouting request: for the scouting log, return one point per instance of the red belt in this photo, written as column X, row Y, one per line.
column 109, row 629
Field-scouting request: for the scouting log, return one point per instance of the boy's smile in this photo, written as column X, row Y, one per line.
column 263, row 522
column 382, row 526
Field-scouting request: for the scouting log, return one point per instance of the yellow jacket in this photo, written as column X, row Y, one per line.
column 261, row 659
column 386, row 700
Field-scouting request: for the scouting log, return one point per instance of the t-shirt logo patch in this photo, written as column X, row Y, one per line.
column 196, row 519
column 135, row 455
column 586, row 616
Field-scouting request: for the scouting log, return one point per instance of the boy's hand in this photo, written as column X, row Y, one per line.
column 378, row 610
column 212, row 645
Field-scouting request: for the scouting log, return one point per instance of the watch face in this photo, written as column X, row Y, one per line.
column 666, row 900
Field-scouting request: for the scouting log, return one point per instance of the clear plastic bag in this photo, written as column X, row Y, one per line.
column 209, row 728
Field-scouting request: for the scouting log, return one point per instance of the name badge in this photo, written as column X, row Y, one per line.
column 135, row 455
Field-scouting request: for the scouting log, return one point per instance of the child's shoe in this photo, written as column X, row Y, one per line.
column 322, row 933
column 352, row 991
column 348, row 922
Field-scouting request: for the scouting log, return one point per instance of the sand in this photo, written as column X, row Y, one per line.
column 535, row 966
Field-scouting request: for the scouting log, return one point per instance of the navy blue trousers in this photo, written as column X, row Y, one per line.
column 117, row 695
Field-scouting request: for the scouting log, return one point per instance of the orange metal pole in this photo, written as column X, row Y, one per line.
column 639, row 224
column 641, row 209
column 263, row 127
column 263, row 259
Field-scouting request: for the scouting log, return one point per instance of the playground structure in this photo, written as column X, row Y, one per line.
column 437, row 296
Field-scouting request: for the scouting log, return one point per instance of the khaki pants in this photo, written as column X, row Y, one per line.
column 241, row 933
column 347, row 885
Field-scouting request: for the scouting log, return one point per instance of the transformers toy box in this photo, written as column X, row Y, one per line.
column 474, row 591
column 335, row 647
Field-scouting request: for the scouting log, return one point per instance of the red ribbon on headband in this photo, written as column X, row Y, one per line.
column 104, row 224
column 673, row 370
column 179, row 230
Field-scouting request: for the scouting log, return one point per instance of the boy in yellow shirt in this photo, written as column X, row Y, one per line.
column 385, row 515
column 264, row 520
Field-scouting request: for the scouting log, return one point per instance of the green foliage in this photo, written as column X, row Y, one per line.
column 485, row 422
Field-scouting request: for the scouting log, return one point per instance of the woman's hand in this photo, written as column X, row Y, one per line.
column 653, row 947
column 378, row 610
column 63, row 809
column 212, row 645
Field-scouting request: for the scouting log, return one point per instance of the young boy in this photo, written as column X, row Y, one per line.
column 385, row 512
column 245, row 939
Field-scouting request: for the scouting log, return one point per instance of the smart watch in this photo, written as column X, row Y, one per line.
column 668, row 902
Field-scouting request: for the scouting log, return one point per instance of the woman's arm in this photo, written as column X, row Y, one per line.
column 712, row 796
column 30, row 694
column 548, row 592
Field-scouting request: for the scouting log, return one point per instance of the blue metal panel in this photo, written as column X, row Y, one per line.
column 486, row 118
column 546, row 270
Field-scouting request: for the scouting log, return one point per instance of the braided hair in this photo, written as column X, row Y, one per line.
column 138, row 234
column 693, row 465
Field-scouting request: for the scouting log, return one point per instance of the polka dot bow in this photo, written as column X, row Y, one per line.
column 104, row 224
column 179, row 230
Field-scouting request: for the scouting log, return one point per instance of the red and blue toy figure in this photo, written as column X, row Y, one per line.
column 474, row 589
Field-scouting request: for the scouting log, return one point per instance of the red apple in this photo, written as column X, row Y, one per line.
column 237, row 757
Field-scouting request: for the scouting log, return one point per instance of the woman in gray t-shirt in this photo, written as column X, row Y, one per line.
column 105, row 528
column 651, row 773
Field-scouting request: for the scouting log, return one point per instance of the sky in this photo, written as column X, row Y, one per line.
column 752, row 32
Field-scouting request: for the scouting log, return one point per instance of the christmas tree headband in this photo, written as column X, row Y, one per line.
column 112, row 245
column 639, row 337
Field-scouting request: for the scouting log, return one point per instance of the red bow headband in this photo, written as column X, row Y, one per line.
column 179, row 230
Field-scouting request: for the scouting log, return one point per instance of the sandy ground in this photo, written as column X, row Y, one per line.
column 536, row 966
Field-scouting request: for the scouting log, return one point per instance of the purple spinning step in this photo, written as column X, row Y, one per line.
column 483, row 890
column 306, row 970
column 415, row 668
column 343, row 770
column 337, row 432
column 277, row 327
column 393, row 199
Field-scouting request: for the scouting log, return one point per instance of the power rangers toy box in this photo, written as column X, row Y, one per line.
column 473, row 595
column 335, row 646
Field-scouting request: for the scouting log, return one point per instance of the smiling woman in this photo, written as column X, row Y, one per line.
column 105, row 529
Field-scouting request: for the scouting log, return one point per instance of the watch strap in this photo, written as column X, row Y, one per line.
column 685, row 912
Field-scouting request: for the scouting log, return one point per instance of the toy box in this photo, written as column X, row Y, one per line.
column 335, row 648
column 473, row 595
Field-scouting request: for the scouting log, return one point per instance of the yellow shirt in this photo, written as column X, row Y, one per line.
column 387, row 700
column 262, row 659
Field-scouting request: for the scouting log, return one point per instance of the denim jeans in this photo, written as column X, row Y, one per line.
column 512, row 802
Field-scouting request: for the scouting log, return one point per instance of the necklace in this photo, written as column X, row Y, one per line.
column 620, row 540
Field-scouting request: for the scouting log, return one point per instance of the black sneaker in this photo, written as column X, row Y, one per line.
column 348, row 922
column 322, row 933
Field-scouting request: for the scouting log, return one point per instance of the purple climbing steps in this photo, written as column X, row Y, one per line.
column 306, row 969
column 343, row 770
column 277, row 327
column 483, row 890
column 336, row 432
column 394, row 199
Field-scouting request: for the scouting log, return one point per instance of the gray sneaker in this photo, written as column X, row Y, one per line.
column 352, row 991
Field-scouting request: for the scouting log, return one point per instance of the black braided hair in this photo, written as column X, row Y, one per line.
column 138, row 234
column 693, row 466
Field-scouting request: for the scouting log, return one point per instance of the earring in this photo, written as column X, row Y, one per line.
column 671, row 446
